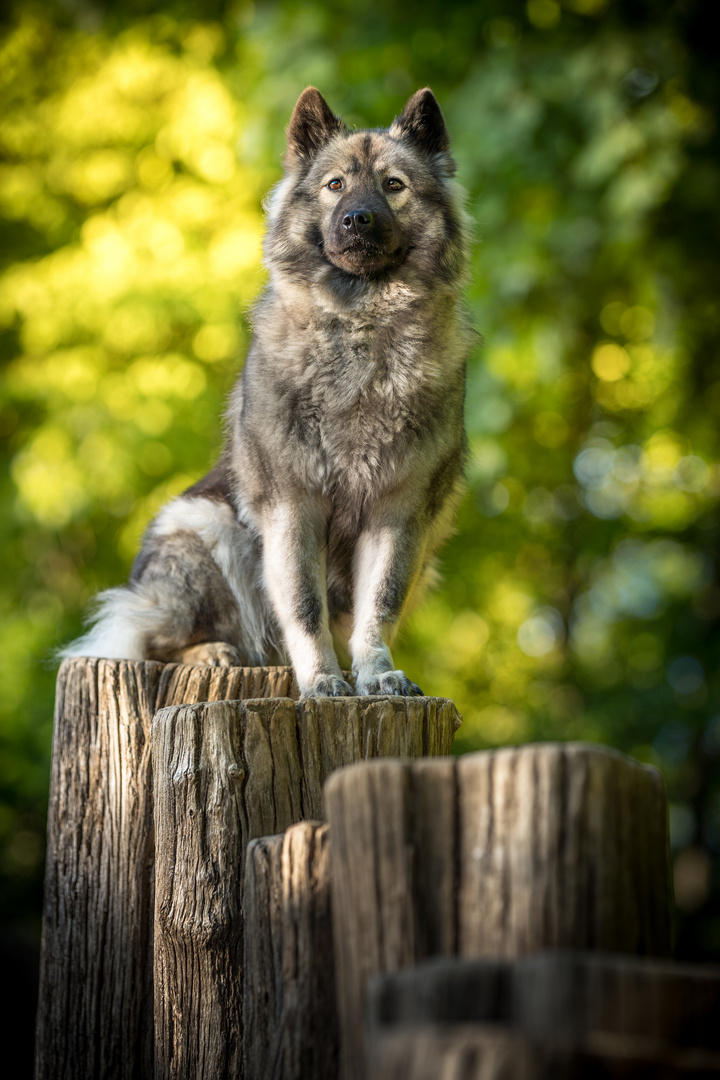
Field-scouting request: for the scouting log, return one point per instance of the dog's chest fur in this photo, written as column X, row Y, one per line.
column 354, row 395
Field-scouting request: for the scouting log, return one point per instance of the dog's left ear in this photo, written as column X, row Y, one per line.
column 422, row 123
column 312, row 124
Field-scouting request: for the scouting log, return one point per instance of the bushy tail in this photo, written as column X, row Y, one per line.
column 120, row 623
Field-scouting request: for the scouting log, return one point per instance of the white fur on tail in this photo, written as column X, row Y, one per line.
column 121, row 619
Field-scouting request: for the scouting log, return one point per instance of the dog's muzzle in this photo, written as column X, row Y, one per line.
column 364, row 242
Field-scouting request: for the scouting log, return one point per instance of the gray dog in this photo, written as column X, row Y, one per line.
column 342, row 466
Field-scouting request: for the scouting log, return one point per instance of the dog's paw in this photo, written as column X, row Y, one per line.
column 328, row 686
column 212, row 653
column 387, row 682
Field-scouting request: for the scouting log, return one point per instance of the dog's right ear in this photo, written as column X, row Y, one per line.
column 311, row 125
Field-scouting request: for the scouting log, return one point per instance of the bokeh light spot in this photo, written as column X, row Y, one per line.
column 545, row 14
column 610, row 362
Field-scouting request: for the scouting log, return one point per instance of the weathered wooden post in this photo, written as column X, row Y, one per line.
column 578, row 994
column 95, row 1004
column 226, row 773
column 555, row 994
column 476, row 1052
column 496, row 854
column 492, row 856
column 289, row 1006
column 549, row 1015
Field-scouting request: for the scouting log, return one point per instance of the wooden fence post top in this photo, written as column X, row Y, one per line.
column 181, row 682
column 71, row 662
column 334, row 732
column 552, row 748
column 586, row 753
column 384, row 707
column 594, row 763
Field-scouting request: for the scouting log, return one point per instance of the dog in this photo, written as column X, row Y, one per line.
column 342, row 467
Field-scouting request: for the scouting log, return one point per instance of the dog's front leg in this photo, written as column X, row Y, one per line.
column 388, row 559
column 294, row 564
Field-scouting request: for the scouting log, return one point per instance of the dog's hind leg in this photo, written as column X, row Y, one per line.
column 195, row 595
column 212, row 653
column 178, row 609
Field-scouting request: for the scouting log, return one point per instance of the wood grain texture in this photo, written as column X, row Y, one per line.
column 201, row 830
column 576, row 994
column 493, row 855
column 562, row 846
column 477, row 1052
column 441, row 990
column 366, row 847
column 226, row 773
column 289, row 1006
column 456, row 1053
column 263, row 961
column 557, row 994
column 95, row 1003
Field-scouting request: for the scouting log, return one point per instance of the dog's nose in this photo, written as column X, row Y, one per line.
column 357, row 220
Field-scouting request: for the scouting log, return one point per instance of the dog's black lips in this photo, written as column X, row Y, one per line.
column 362, row 258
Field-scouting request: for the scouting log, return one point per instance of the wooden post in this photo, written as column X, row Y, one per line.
column 549, row 1015
column 495, row 854
column 459, row 1053
column 95, row 1003
column 289, row 1007
column 575, row 995
column 477, row 1052
column 441, row 990
column 224, row 774
column 561, row 995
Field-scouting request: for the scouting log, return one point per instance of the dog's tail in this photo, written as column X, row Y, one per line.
column 121, row 620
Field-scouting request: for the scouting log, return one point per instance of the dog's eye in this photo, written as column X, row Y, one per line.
column 336, row 185
column 393, row 184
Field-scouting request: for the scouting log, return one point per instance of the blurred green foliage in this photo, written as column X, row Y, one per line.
column 580, row 596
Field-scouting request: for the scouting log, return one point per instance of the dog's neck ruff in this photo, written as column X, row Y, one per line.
column 350, row 298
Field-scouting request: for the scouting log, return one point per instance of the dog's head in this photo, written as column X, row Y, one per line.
column 363, row 204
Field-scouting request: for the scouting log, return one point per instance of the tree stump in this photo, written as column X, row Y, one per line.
column 96, row 994
column 289, row 1007
column 224, row 774
column 495, row 854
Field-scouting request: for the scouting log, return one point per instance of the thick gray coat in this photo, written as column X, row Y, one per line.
column 342, row 466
